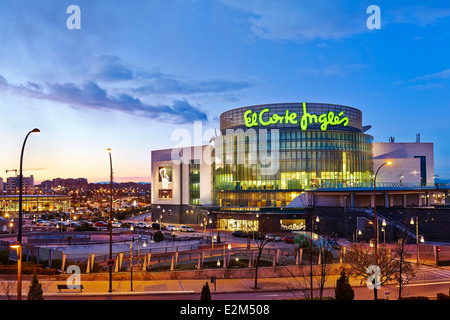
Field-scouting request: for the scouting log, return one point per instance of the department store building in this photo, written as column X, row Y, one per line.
column 273, row 166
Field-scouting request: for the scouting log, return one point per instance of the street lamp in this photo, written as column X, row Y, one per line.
column 375, row 225
column 358, row 233
column 19, row 234
column 110, row 219
column 310, row 253
column 18, row 246
column 417, row 234
column 383, row 228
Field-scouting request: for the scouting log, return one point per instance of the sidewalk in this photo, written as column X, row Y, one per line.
column 100, row 287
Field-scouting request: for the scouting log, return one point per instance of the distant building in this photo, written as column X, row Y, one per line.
column 58, row 184
column 35, row 203
column 12, row 185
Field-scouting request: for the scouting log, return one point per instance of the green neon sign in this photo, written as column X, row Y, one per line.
column 253, row 119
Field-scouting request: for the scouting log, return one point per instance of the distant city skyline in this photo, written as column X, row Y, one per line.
column 135, row 73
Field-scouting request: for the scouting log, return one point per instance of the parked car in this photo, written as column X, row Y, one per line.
column 116, row 224
column 171, row 227
column 42, row 223
column 74, row 224
column 186, row 229
column 53, row 222
column 256, row 235
column 101, row 224
column 81, row 222
column 273, row 237
column 156, row 226
column 61, row 224
column 142, row 225
column 289, row 239
column 239, row 234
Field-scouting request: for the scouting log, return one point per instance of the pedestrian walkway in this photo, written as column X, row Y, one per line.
column 101, row 287
column 157, row 287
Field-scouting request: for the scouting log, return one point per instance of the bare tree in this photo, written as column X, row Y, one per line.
column 261, row 243
column 8, row 287
column 391, row 265
column 314, row 276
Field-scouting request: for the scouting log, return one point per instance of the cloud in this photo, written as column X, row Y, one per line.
column 111, row 69
column 116, row 85
column 418, row 15
column 174, row 86
column 434, row 76
column 302, row 20
column 336, row 69
column 90, row 95
column 310, row 20
column 429, row 81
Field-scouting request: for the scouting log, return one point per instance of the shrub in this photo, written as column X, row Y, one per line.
column 206, row 293
column 85, row 227
column 415, row 298
column 344, row 290
column 158, row 236
column 4, row 257
column 443, row 296
column 35, row 291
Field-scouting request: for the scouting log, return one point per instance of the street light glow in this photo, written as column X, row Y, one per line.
column 15, row 245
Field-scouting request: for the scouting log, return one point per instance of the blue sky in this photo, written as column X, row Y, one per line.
column 138, row 70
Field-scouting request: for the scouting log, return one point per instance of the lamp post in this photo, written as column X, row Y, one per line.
column 417, row 234
column 310, row 253
column 18, row 245
column 110, row 219
column 131, row 266
column 212, row 240
column 357, row 233
column 375, row 224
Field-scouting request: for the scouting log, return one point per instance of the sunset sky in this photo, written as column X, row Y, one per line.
column 138, row 70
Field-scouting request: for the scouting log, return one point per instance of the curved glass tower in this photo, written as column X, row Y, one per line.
column 269, row 154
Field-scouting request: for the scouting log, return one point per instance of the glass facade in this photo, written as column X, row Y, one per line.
column 194, row 182
column 340, row 156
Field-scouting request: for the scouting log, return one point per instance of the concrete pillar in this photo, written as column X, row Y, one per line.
column 63, row 262
column 386, row 199
column 404, row 200
column 88, row 265
column 144, row 266
column 298, row 259
column 50, row 258
column 92, row 260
